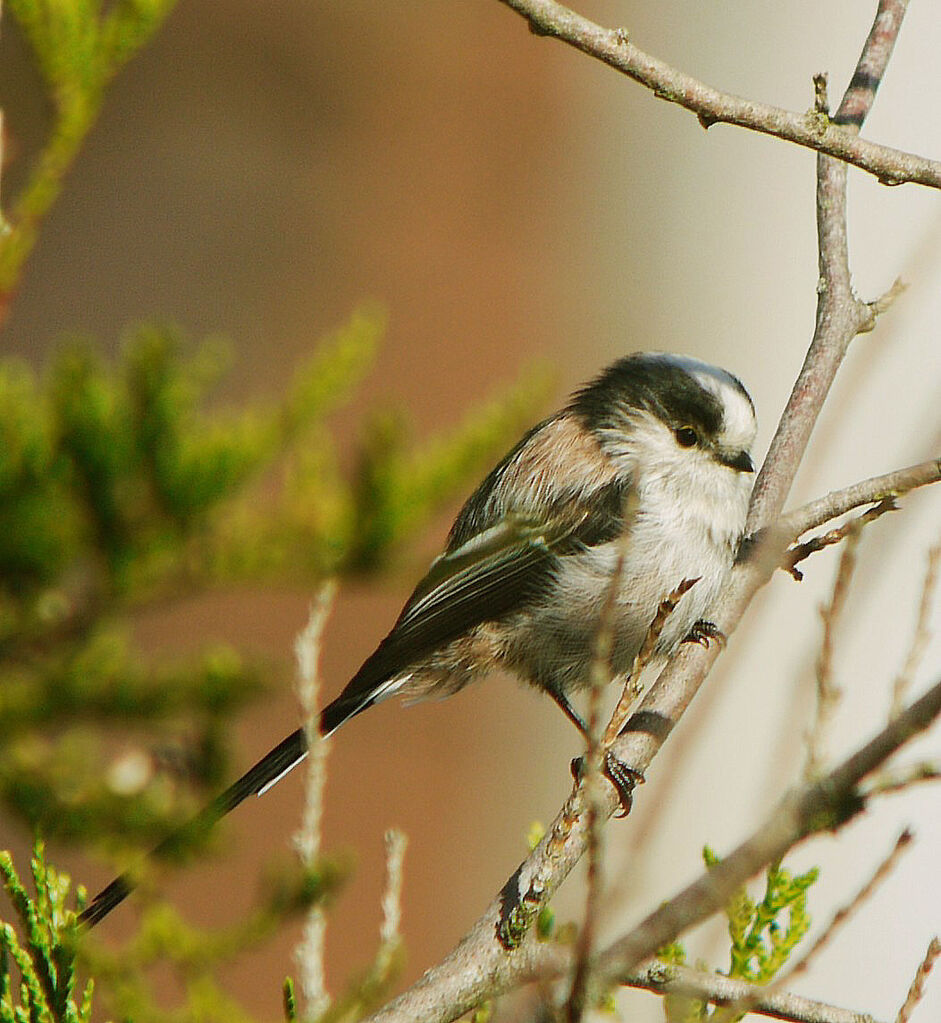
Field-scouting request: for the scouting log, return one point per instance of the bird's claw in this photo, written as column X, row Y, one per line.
column 704, row 633
column 624, row 779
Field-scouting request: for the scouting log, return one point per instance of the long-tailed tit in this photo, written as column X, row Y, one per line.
column 530, row 558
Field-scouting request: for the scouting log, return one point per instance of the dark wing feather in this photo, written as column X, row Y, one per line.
column 481, row 581
column 499, row 570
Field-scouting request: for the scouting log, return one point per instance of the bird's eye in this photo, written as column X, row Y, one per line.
column 686, row 436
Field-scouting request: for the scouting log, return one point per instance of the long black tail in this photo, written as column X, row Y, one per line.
column 258, row 779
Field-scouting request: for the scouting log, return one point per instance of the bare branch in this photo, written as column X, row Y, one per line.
column 870, row 69
column 389, row 934
column 826, row 804
column 840, row 317
column 917, row 989
column 828, row 693
column 710, row 987
column 876, row 489
column 887, row 783
column 889, row 863
column 600, row 676
column 840, row 314
column 834, row 536
column 596, row 811
column 886, row 300
column 812, row 130
column 644, row 655
column 922, row 634
column 481, row 966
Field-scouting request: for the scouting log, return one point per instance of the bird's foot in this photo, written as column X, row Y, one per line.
column 704, row 633
column 624, row 779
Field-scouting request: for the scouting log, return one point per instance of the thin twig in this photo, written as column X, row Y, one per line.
column 719, row 990
column 309, row 953
column 873, row 61
column 834, row 536
column 922, row 635
column 595, row 810
column 888, row 783
column 600, row 676
column 877, row 489
column 389, row 930
column 631, row 691
column 812, row 130
column 828, row 692
column 917, row 989
column 844, row 913
column 841, row 316
column 481, row 968
column 888, row 298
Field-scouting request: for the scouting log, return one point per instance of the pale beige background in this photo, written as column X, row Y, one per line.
column 263, row 168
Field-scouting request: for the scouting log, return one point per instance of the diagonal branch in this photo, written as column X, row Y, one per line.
column 848, row 531
column 841, row 316
column 826, row 804
column 673, row 979
column 797, row 967
column 812, row 130
column 916, row 991
column 870, row 69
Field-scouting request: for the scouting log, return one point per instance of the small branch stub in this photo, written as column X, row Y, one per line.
column 821, row 99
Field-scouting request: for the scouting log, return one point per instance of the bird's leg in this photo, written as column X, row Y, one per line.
column 624, row 779
column 570, row 712
column 704, row 633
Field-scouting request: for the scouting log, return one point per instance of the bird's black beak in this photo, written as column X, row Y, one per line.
column 740, row 461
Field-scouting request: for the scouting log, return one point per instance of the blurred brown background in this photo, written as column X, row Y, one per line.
column 261, row 169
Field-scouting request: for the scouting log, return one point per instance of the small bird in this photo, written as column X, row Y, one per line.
column 649, row 467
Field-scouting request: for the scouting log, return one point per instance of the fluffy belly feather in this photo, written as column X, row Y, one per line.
column 554, row 643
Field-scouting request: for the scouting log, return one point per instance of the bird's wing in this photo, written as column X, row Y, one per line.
column 502, row 568
column 482, row 579
column 497, row 571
